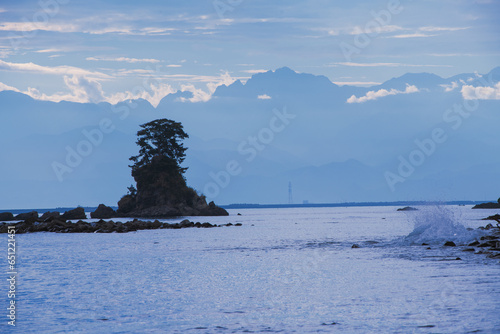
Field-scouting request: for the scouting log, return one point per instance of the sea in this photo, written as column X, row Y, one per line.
column 285, row 270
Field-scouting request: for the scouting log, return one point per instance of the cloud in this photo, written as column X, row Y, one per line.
column 433, row 29
column 481, row 93
column 82, row 90
column 123, row 59
column 49, row 50
column 154, row 96
column 33, row 26
column 451, row 87
column 357, row 30
column 373, row 95
column 414, row 35
column 56, row 70
column 356, row 83
column 7, row 87
column 386, row 65
column 254, row 71
column 264, row 97
column 199, row 95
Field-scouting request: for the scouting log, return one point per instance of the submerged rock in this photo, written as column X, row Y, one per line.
column 449, row 244
column 355, row 246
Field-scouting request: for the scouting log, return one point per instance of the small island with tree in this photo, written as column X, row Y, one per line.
column 161, row 190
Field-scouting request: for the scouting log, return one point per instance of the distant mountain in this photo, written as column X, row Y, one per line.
column 329, row 149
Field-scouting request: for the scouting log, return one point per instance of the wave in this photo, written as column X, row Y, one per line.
column 436, row 225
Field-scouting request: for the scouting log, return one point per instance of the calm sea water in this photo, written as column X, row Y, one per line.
column 283, row 271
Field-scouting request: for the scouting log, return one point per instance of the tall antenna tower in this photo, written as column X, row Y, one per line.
column 290, row 197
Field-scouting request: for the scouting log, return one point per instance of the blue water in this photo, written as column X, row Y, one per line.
column 284, row 271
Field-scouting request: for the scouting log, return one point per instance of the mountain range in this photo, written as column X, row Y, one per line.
column 332, row 143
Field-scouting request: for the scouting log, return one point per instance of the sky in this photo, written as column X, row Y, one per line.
column 94, row 51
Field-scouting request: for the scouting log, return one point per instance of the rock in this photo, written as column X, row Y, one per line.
column 458, row 258
column 103, row 212
column 78, row 213
column 355, row 246
column 428, row 248
column 489, row 237
column 488, row 244
column 162, row 192
column 475, row 243
column 6, row 216
column 47, row 216
column 494, row 217
column 238, row 224
column 469, row 250
column 239, row 214
column 449, row 244
column 489, row 205
column 494, row 256
column 425, row 244
column 33, row 215
column 407, row 208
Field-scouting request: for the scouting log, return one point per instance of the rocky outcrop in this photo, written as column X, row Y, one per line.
column 78, row 213
column 103, row 212
column 162, row 192
column 102, row 226
column 489, row 205
column 47, row 216
column 6, row 216
column 407, row 208
column 33, row 215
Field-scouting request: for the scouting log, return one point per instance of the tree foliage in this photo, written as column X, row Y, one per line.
column 160, row 138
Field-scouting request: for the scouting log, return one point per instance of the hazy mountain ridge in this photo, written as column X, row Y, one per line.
column 330, row 151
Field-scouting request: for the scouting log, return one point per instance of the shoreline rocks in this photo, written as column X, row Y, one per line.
column 60, row 225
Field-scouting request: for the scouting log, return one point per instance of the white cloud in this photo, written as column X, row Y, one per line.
column 414, row 35
column 373, row 95
column 32, row 26
column 158, row 92
column 123, row 59
column 56, row 70
column 451, row 87
column 375, row 30
column 356, row 83
column 49, row 50
column 264, row 97
column 432, row 28
column 254, row 71
column 481, row 93
column 199, row 95
column 385, row 65
column 7, row 87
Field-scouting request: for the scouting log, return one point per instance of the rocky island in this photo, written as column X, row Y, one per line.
column 162, row 192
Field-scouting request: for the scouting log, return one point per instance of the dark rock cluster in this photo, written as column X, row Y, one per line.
column 162, row 192
column 407, row 208
column 60, row 225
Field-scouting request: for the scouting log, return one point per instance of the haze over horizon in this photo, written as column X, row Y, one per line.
column 372, row 101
